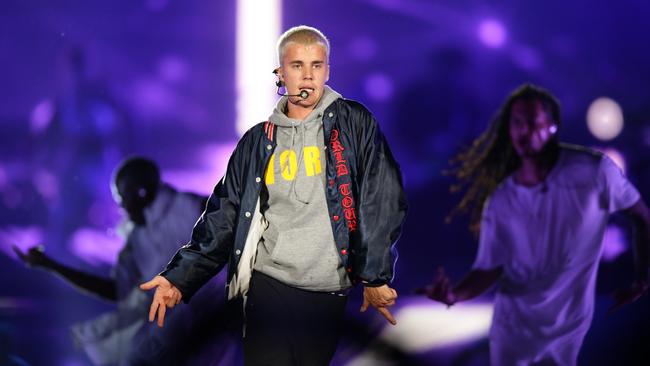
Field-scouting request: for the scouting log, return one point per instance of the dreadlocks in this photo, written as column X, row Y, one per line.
column 491, row 158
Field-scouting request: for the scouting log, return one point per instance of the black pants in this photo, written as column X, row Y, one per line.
column 289, row 326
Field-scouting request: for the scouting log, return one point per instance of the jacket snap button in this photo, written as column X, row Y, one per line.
column 331, row 115
column 247, row 214
column 336, row 217
column 238, row 252
column 344, row 251
column 269, row 147
column 258, row 179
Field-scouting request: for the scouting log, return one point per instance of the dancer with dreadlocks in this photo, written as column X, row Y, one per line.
column 540, row 208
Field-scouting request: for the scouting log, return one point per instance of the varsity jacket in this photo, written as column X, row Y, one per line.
column 365, row 199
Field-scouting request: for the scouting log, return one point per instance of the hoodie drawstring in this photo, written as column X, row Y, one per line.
column 280, row 118
column 300, row 158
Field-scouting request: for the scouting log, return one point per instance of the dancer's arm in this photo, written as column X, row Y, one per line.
column 472, row 285
column 639, row 214
column 96, row 285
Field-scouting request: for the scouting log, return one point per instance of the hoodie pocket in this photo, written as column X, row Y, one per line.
column 305, row 250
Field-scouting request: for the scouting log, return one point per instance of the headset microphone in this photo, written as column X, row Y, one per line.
column 303, row 93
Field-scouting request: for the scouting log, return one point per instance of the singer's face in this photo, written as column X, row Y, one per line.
column 304, row 67
column 531, row 127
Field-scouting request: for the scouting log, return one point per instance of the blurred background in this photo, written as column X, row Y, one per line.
column 85, row 84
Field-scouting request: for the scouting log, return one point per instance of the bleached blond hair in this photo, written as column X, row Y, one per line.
column 304, row 35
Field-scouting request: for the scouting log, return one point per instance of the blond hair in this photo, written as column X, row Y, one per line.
column 304, row 35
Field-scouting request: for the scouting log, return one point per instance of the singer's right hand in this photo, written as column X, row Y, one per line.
column 166, row 296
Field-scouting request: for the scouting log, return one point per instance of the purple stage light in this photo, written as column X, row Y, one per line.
column 12, row 197
column 492, row 33
column 388, row 4
column 157, row 5
column 173, row 69
column 215, row 157
column 362, row 48
column 104, row 213
column 4, row 180
column 153, row 98
column 379, row 87
column 41, row 116
column 213, row 160
column 96, row 247
column 73, row 362
column 105, row 117
column 527, row 58
column 46, row 184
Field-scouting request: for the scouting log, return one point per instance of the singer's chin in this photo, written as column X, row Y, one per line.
column 304, row 102
column 299, row 101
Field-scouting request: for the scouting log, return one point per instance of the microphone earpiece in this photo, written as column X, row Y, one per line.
column 278, row 83
column 303, row 93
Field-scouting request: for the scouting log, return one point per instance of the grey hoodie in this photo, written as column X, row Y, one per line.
column 298, row 248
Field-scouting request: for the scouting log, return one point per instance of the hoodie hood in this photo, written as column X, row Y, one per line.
column 280, row 118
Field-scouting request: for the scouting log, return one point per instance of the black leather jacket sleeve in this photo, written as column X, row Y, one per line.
column 382, row 204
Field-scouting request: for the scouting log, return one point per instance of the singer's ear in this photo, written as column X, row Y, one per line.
column 278, row 73
column 327, row 75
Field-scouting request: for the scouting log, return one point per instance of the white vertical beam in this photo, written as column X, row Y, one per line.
column 258, row 28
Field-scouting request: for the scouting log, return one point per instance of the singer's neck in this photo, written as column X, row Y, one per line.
column 298, row 112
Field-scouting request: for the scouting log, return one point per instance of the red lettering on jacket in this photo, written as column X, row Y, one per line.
column 347, row 202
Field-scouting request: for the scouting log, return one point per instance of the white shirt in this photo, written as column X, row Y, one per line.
column 548, row 239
